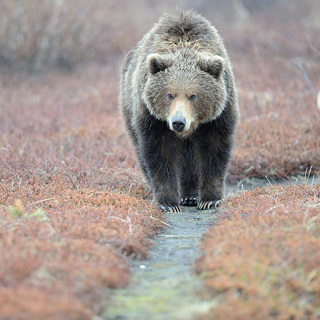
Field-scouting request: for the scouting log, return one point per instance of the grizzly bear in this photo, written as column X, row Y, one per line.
column 179, row 103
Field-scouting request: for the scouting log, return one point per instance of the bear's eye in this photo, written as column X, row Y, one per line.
column 170, row 96
column 193, row 97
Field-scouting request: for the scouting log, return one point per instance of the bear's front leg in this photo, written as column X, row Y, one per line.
column 214, row 158
column 211, row 193
column 164, row 184
column 158, row 150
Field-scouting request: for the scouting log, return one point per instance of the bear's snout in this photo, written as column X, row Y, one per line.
column 178, row 123
column 180, row 117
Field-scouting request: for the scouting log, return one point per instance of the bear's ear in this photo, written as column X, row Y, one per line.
column 157, row 63
column 211, row 64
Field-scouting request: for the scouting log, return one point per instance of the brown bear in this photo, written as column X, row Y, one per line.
column 179, row 103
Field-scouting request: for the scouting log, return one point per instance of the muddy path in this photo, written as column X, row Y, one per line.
column 163, row 286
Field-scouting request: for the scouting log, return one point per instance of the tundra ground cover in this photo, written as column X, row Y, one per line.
column 261, row 260
column 73, row 203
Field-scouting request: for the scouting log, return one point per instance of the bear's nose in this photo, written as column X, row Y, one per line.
column 178, row 123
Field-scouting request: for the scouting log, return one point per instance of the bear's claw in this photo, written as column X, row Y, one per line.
column 169, row 208
column 189, row 201
column 203, row 205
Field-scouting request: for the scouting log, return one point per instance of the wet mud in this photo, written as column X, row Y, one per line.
column 164, row 286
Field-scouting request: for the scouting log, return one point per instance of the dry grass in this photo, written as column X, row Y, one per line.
column 277, row 73
column 276, row 59
column 73, row 204
column 261, row 261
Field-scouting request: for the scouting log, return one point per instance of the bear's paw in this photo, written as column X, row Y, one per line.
column 204, row 205
column 170, row 209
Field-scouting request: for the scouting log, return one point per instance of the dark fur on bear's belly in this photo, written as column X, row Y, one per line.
column 190, row 171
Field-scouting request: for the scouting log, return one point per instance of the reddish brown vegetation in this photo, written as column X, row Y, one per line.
column 262, row 258
column 276, row 59
column 72, row 200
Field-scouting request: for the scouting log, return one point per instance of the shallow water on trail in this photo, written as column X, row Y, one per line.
column 163, row 286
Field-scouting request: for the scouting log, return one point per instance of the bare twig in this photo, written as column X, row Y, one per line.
column 282, row 175
column 307, row 175
column 268, row 180
column 305, row 76
column 281, row 206
column 128, row 221
column 174, row 236
column 312, row 46
column 30, row 204
column 166, row 224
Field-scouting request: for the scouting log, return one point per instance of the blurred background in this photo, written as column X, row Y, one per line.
column 60, row 62
column 40, row 34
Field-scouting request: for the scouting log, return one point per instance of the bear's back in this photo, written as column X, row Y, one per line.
column 185, row 30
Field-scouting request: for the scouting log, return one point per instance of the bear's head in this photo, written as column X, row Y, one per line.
column 185, row 89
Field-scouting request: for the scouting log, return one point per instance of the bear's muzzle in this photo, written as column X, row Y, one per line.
column 180, row 117
column 178, row 123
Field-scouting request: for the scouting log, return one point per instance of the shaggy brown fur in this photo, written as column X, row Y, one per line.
column 180, row 107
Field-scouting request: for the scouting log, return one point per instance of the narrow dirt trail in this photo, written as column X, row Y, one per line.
column 163, row 286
